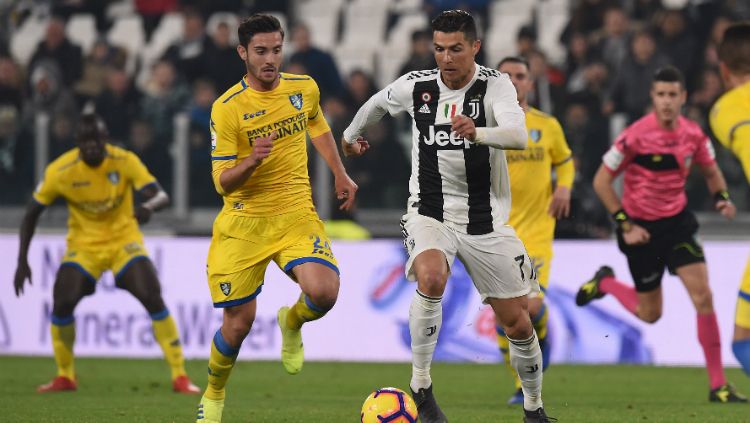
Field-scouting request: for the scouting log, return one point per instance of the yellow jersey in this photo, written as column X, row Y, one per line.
column 100, row 199
column 281, row 183
column 530, row 173
column 730, row 123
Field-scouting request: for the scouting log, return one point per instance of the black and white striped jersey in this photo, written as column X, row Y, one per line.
column 453, row 180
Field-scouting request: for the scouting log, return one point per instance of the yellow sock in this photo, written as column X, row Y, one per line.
column 303, row 311
column 63, row 332
column 220, row 365
column 165, row 332
column 503, row 343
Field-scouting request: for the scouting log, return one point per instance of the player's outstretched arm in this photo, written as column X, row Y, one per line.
column 371, row 112
column 718, row 186
column 345, row 187
column 28, row 226
column 154, row 199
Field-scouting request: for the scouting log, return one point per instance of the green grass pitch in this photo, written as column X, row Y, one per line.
column 139, row 391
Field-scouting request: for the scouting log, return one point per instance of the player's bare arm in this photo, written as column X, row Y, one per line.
column 718, row 186
column 234, row 177
column 559, row 207
column 346, row 189
column 28, row 226
column 632, row 233
column 154, row 198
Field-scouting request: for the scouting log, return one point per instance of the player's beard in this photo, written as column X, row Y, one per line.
column 265, row 79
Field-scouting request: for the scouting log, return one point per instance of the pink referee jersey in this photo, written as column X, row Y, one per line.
column 656, row 162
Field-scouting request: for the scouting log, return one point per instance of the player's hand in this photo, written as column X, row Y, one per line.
column 560, row 205
column 727, row 209
column 23, row 272
column 637, row 235
column 262, row 147
column 143, row 214
column 346, row 190
column 355, row 149
column 464, row 126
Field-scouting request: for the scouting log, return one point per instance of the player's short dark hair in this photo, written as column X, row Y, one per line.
column 734, row 48
column 668, row 73
column 257, row 24
column 91, row 127
column 513, row 59
column 456, row 21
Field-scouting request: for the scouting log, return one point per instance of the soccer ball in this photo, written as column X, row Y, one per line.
column 389, row 405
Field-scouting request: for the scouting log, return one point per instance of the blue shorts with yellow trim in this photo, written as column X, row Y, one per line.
column 116, row 256
column 242, row 247
column 742, row 313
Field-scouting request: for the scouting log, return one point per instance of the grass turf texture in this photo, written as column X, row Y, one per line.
column 139, row 391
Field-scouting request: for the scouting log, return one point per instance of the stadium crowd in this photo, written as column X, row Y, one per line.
column 612, row 49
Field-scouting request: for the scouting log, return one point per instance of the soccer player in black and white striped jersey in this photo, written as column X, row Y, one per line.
column 464, row 116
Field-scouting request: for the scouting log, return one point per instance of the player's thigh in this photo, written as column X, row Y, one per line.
column 498, row 265
column 432, row 248
column 319, row 281
column 646, row 263
column 139, row 278
column 71, row 285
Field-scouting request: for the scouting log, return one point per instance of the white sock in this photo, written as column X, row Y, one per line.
column 526, row 358
column 425, row 319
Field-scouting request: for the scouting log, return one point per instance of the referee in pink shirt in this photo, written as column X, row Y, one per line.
column 654, row 228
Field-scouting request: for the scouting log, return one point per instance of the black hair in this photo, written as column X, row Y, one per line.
column 734, row 47
column 456, row 21
column 255, row 24
column 668, row 73
column 91, row 126
column 513, row 59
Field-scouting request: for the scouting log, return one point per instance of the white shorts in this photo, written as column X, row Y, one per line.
column 497, row 262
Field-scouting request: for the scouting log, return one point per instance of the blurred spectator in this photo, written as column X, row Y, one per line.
column 56, row 47
column 223, row 65
column 97, row 8
column 421, row 55
column 11, row 84
column 296, row 68
column 630, row 89
column 163, row 96
column 359, row 88
column 151, row 12
column 614, row 41
column 201, row 185
column 643, row 10
column 49, row 94
column 587, row 17
column 154, row 154
column 16, row 158
column 96, row 67
column 579, row 56
column 526, row 41
column 702, row 99
column 118, row 105
column 188, row 55
column 710, row 55
column 62, row 135
column 678, row 44
column 319, row 64
column 548, row 94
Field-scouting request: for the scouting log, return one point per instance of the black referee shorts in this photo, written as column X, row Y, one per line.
column 672, row 245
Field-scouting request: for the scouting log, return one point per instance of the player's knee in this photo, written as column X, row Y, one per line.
column 64, row 307
column 650, row 316
column 153, row 303
column 703, row 299
column 518, row 326
column 235, row 331
column 432, row 282
column 326, row 294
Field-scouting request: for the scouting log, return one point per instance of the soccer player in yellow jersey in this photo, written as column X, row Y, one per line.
column 730, row 122
column 96, row 180
column 535, row 205
column 259, row 157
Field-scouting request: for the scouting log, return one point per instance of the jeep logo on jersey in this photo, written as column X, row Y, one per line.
column 296, row 100
column 444, row 138
column 114, row 177
column 226, row 287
